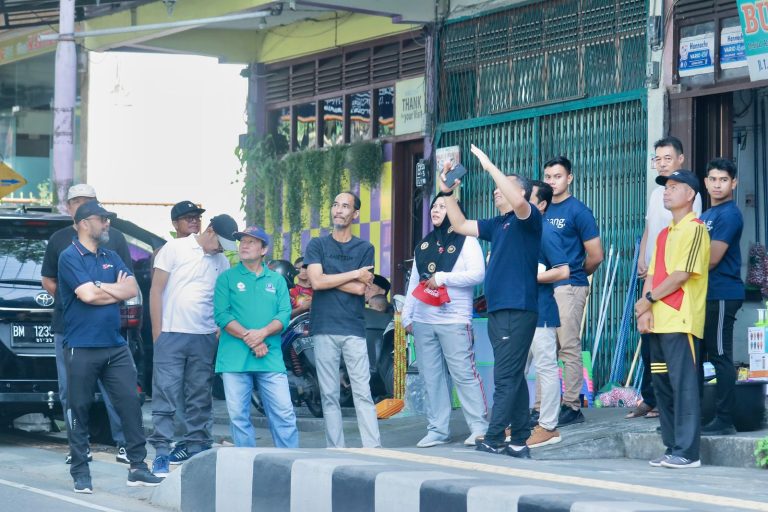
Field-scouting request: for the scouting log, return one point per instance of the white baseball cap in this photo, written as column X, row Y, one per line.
column 81, row 190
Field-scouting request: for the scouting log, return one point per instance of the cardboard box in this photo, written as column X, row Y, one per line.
column 758, row 366
column 756, row 340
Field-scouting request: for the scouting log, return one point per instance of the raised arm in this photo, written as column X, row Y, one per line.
column 510, row 189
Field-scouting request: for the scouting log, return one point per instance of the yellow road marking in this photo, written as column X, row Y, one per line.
column 569, row 480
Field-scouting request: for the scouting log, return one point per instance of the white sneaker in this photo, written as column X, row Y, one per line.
column 430, row 440
column 471, row 440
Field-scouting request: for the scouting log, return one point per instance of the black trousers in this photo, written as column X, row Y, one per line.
column 676, row 382
column 115, row 367
column 511, row 333
column 646, row 382
column 718, row 350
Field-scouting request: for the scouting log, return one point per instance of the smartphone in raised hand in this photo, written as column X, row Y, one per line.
column 456, row 173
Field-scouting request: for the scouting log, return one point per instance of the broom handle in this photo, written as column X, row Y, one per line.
column 634, row 362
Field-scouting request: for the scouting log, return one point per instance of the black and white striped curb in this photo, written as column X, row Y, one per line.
column 318, row 480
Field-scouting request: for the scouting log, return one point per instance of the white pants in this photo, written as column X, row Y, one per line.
column 328, row 352
column 543, row 354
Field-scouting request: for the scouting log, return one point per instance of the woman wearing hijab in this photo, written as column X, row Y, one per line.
column 438, row 312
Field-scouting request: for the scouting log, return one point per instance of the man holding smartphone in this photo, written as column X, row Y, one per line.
column 340, row 268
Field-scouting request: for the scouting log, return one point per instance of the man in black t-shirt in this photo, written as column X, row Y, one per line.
column 340, row 269
column 60, row 240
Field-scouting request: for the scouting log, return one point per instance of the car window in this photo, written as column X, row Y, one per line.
column 22, row 248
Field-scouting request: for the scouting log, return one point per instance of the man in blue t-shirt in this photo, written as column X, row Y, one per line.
column 576, row 225
column 553, row 267
column 725, row 293
column 92, row 282
column 511, row 292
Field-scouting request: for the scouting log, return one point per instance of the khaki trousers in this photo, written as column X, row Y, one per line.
column 571, row 301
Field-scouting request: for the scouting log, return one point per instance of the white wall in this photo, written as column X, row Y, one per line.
column 161, row 129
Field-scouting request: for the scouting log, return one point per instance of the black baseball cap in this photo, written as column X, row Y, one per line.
column 225, row 228
column 681, row 176
column 184, row 207
column 89, row 208
column 382, row 283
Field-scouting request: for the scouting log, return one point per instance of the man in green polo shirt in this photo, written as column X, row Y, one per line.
column 252, row 307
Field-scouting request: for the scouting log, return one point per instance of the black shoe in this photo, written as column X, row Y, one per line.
column 142, row 477
column 83, row 485
column 522, row 453
column 490, row 448
column 569, row 416
column 718, row 427
column 534, row 419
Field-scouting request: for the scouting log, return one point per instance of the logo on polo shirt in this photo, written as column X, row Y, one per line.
column 270, row 288
column 709, row 225
column 241, row 286
column 106, row 266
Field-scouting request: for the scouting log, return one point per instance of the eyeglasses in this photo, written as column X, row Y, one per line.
column 102, row 218
column 190, row 218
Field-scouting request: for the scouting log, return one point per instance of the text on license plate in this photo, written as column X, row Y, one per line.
column 31, row 335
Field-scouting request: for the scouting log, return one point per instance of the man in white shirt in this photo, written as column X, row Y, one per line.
column 184, row 332
column 669, row 158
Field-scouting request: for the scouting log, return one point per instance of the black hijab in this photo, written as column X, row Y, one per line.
column 439, row 250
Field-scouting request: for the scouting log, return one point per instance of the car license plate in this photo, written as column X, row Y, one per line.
column 31, row 335
column 302, row 343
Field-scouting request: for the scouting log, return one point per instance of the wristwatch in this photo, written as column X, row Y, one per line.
column 649, row 297
column 97, row 283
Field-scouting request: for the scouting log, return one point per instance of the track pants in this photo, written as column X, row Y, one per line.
column 676, row 382
column 718, row 350
column 115, row 367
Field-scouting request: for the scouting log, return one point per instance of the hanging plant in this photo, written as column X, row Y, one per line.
column 363, row 160
column 334, row 170
column 272, row 184
column 314, row 174
column 260, row 177
column 293, row 163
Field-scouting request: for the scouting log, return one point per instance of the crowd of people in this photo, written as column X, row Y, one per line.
column 210, row 317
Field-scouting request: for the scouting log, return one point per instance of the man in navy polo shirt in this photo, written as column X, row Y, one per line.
column 512, row 295
column 553, row 267
column 92, row 283
column 576, row 225
column 725, row 293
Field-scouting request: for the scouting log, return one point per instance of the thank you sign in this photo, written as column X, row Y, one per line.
column 410, row 106
column 754, row 24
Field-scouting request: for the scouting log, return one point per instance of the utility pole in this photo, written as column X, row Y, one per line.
column 64, row 104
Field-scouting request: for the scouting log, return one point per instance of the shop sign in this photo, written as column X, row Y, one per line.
column 410, row 112
column 754, row 26
column 732, row 53
column 696, row 55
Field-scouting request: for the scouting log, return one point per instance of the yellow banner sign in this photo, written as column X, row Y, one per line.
column 10, row 180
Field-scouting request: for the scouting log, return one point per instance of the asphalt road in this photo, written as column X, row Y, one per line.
column 33, row 476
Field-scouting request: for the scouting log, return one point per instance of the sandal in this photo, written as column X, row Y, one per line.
column 653, row 413
column 641, row 410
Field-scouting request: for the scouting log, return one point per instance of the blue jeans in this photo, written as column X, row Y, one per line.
column 276, row 398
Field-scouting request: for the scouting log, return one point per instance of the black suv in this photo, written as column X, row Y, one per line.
column 28, row 378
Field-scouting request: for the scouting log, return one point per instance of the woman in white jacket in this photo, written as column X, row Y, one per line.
column 446, row 262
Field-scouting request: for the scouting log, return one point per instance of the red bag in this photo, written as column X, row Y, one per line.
column 429, row 296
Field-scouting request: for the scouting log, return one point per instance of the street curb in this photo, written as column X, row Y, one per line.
column 321, row 480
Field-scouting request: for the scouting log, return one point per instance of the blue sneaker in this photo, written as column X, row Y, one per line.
column 161, row 466
column 179, row 455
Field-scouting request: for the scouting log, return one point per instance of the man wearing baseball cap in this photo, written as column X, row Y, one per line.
column 60, row 240
column 671, row 310
column 185, row 217
column 184, row 333
column 252, row 308
column 93, row 281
